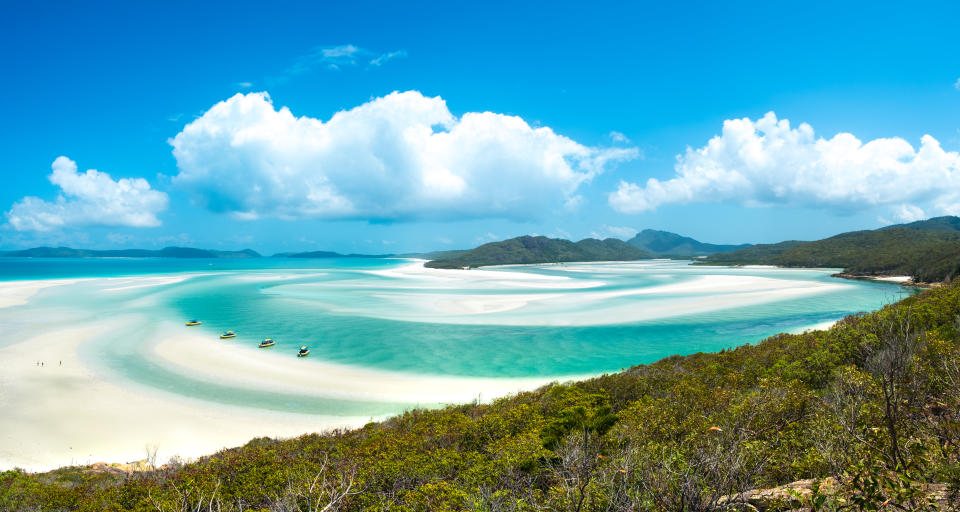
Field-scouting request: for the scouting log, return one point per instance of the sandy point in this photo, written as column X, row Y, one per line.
column 57, row 412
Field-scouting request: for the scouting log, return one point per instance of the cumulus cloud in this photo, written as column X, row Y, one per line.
column 767, row 162
column 89, row 198
column 403, row 156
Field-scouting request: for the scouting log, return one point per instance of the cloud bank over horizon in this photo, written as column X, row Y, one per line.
column 766, row 162
column 91, row 198
column 400, row 157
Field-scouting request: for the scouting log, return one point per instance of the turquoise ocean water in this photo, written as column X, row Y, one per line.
column 583, row 321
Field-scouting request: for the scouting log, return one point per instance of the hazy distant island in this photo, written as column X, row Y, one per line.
column 327, row 254
column 928, row 251
column 166, row 252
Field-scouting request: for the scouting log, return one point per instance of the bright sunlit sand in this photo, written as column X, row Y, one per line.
column 64, row 412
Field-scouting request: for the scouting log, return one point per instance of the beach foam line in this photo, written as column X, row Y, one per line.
column 205, row 359
column 58, row 415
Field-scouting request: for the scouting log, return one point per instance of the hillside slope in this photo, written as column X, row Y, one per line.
column 540, row 249
column 927, row 250
column 665, row 243
column 679, row 434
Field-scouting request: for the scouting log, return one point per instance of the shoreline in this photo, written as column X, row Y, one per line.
column 58, row 412
column 36, row 399
column 887, row 278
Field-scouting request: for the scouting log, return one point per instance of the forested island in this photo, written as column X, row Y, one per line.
column 665, row 244
column 928, row 250
column 863, row 416
column 540, row 249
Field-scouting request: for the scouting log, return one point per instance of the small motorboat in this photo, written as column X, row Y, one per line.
column 304, row 351
column 193, row 322
column 267, row 343
column 228, row 334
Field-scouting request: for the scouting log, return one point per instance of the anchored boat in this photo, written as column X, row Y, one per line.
column 267, row 343
column 193, row 322
column 304, row 351
column 228, row 334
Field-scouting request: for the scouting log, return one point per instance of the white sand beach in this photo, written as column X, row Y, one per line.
column 16, row 293
column 65, row 413
column 242, row 366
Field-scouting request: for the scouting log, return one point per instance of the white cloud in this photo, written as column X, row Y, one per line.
column 768, row 162
column 90, row 198
column 244, row 85
column 614, row 231
column 619, row 137
column 403, row 156
column 489, row 237
column 956, row 85
column 384, row 57
column 909, row 213
column 621, row 231
column 335, row 58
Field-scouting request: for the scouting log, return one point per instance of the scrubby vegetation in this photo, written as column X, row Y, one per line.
column 873, row 403
column 927, row 250
column 540, row 249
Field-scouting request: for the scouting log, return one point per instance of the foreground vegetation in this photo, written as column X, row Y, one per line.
column 540, row 249
column 873, row 403
column 927, row 250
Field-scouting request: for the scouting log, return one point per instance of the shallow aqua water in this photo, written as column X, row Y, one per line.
column 348, row 315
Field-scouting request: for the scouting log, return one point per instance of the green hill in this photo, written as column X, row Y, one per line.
column 540, row 249
column 665, row 243
column 927, row 250
column 873, row 402
column 166, row 252
column 760, row 254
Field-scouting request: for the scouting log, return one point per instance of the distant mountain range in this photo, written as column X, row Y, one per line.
column 166, row 252
column 540, row 249
column 927, row 250
column 327, row 254
column 666, row 244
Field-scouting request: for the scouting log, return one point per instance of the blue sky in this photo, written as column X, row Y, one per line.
column 510, row 119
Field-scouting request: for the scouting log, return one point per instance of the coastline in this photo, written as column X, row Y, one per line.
column 902, row 280
column 37, row 399
column 36, row 437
